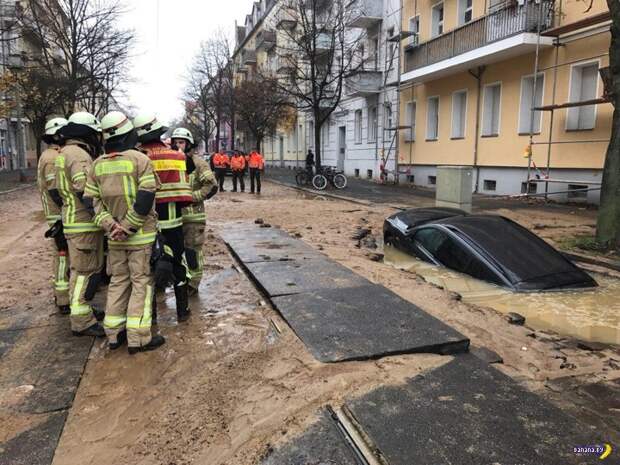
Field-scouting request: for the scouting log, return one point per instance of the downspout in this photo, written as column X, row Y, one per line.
column 478, row 77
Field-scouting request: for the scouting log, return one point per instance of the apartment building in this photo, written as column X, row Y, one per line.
column 256, row 51
column 474, row 70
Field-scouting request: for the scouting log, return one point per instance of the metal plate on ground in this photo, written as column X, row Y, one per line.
column 468, row 413
column 276, row 249
column 365, row 322
column 292, row 277
column 321, row 444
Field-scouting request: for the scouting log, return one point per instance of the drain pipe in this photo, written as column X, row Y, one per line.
column 478, row 77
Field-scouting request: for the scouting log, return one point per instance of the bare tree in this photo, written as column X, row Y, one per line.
column 316, row 54
column 198, row 121
column 262, row 106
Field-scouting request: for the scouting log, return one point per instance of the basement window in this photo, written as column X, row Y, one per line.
column 577, row 191
column 357, row 172
column 490, row 185
column 411, row 178
column 432, row 180
column 529, row 188
column 369, row 174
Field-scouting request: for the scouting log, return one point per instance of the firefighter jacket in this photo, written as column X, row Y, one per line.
column 71, row 168
column 171, row 168
column 202, row 182
column 237, row 163
column 256, row 161
column 46, row 176
column 123, row 186
column 220, row 160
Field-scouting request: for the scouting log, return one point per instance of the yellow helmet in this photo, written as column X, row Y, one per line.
column 146, row 123
column 115, row 124
column 86, row 119
column 182, row 133
column 53, row 125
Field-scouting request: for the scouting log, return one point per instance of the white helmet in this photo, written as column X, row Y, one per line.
column 115, row 124
column 182, row 133
column 146, row 123
column 53, row 125
column 86, row 119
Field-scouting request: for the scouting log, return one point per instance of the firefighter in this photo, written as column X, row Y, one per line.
column 45, row 180
column 82, row 136
column 256, row 162
column 203, row 186
column 122, row 185
column 173, row 195
column 237, row 166
column 220, row 164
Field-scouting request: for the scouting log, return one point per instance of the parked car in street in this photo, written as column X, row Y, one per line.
column 488, row 247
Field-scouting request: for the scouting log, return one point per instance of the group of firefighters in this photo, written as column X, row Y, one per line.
column 237, row 162
column 114, row 185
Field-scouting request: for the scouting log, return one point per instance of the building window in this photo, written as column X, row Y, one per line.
column 525, row 113
column 437, row 20
column 414, row 26
column 529, row 187
column 369, row 174
column 583, row 86
column 577, row 191
column 490, row 185
column 357, row 130
column 459, row 114
column 410, row 111
column 311, row 134
column 411, row 178
column 388, row 116
column 357, row 172
column 372, row 124
column 432, row 118
column 432, row 180
column 465, row 11
column 490, row 112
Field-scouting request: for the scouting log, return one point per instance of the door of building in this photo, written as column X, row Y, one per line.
column 342, row 146
column 282, row 151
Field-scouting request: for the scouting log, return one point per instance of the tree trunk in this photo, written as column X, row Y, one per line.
column 217, row 133
column 259, row 142
column 317, row 143
column 608, row 223
column 38, row 139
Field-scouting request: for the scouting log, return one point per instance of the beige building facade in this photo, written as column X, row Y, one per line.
column 468, row 87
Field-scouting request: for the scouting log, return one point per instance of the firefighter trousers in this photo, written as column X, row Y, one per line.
column 130, row 295
column 61, row 274
column 194, row 234
column 238, row 176
column 254, row 180
column 86, row 252
column 174, row 239
column 220, row 175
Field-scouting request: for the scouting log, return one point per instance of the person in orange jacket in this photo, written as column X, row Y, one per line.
column 256, row 162
column 237, row 165
column 220, row 163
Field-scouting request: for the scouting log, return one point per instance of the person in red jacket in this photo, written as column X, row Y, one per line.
column 237, row 165
column 220, row 163
column 256, row 162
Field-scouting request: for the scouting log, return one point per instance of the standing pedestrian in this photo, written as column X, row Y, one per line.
column 85, row 239
column 172, row 196
column 237, row 165
column 220, row 163
column 310, row 163
column 256, row 162
column 202, row 183
column 46, row 176
column 122, row 184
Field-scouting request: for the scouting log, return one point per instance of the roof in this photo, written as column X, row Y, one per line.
column 419, row 216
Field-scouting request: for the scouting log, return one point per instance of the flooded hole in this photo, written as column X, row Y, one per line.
column 589, row 315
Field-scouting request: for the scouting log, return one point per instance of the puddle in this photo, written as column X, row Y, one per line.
column 589, row 315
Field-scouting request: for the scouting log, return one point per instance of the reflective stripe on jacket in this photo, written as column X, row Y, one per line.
column 256, row 160
column 46, row 176
column 171, row 168
column 202, row 181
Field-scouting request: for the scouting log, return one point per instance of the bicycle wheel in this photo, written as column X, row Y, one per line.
column 319, row 182
column 340, row 181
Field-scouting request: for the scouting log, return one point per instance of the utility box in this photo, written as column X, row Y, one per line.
column 454, row 187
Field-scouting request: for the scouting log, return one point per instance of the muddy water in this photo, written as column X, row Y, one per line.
column 591, row 315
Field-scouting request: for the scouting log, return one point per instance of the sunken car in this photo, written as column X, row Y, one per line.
column 487, row 247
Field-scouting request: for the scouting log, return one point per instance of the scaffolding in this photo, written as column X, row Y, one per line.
column 595, row 20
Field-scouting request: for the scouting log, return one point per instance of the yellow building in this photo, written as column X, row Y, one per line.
column 467, row 91
column 256, row 50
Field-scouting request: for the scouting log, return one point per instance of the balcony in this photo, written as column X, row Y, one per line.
column 265, row 40
column 287, row 18
column 366, row 14
column 286, row 64
column 248, row 57
column 502, row 34
column 363, row 83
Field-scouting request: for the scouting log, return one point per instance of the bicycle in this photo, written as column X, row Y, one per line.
column 303, row 177
column 329, row 174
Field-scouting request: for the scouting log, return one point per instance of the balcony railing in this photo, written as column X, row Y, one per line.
column 500, row 24
column 265, row 40
column 365, row 13
column 248, row 57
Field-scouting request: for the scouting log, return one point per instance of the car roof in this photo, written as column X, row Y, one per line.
column 419, row 216
column 522, row 255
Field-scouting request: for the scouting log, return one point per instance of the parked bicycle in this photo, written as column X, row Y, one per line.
column 329, row 174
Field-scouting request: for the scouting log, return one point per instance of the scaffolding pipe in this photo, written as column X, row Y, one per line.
column 532, row 111
column 571, row 141
column 551, row 117
column 572, row 191
column 574, row 61
column 564, row 181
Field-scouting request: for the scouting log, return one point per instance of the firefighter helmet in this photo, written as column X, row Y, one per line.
column 53, row 125
column 85, row 119
column 146, row 123
column 182, row 133
column 115, row 124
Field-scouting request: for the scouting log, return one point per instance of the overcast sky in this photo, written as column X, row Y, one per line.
column 160, row 64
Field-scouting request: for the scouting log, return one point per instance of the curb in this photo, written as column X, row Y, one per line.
column 17, row 189
column 321, row 193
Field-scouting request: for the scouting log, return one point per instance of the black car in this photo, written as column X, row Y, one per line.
column 487, row 247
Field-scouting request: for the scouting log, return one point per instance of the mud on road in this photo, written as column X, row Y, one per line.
column 235, row 381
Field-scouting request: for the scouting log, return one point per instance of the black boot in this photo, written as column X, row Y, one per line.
column 99, row 314
column 154, row 311
column 95, row 330
column 121, row 338
column 64, row 309
column 156, row 341
column 182, row 298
